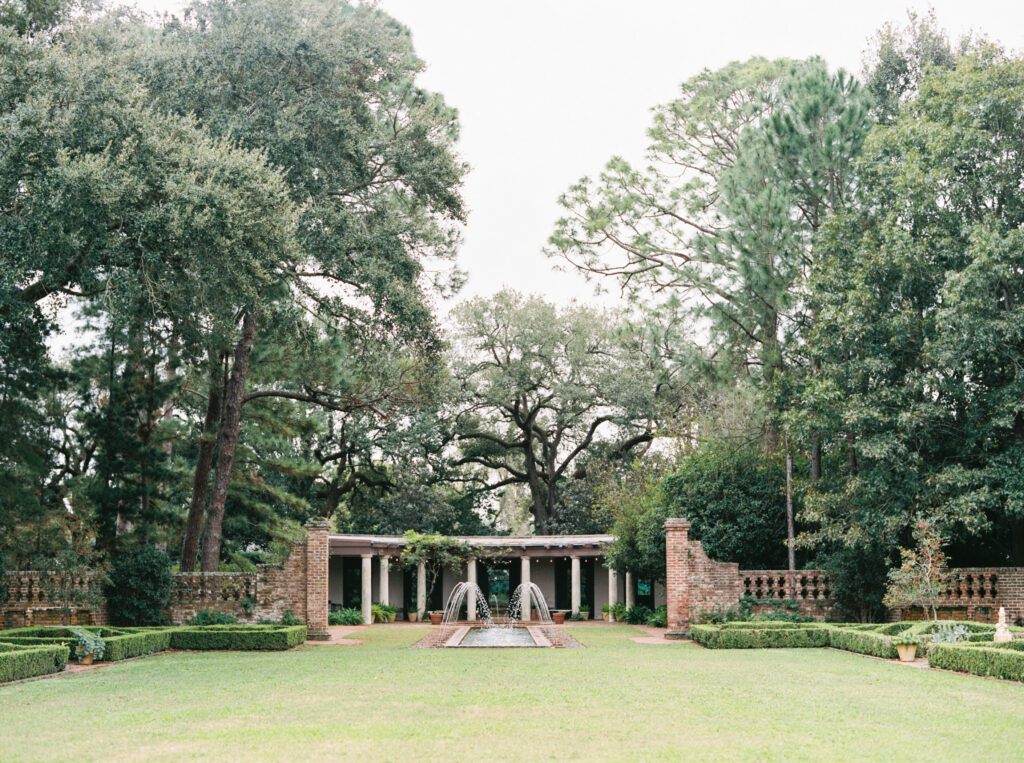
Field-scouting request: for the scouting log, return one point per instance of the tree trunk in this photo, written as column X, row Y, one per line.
column 790, row 526
column 851, row 456
column 230, row 430
column 204, row 465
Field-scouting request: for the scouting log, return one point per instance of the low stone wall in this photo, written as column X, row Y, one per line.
column 299, row 584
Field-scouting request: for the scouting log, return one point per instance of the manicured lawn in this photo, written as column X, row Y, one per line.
column 614, row 699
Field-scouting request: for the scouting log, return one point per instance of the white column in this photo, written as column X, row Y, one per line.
column 613, row 590
column 524, row 610
column 367, row 598
column 471, row 594
column 630, row 590
column 385, row 594
column 576, row 594
column 421, row 590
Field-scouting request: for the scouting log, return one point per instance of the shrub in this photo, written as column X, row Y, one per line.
column 118, row 643
column 239, row 637
column 950, row 633
column 638, row 614
column 861, row 642
column 1005, row 663
column 18, row 662
column 87, row 643
column 659, row 618
column 139, row 587
column 618, row 610
column 383, row 613
column 289, row 618
column 209, row 617
column 718, row 637
column 3, row 580
column 348, row 616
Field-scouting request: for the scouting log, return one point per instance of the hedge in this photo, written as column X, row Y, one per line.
column 715, row 637
column 244, row 638
column 119, row 644
column 1006, row 662
column 17, row 662
column 766, row 625
column 862, row 642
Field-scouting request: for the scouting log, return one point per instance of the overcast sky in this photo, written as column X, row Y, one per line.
column 549, row 90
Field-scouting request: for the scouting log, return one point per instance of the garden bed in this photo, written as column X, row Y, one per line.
column 19, row 661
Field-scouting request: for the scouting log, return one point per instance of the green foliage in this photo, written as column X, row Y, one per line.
column 949, row 633
column 86, row 644
column 437, row 553
column 638, row 614
column 922, row 578
column 117, row 643
column 238, row 637
column 755, row 637
column 347, row 616
column 72, row 578
column 1005, row 663
column 209, row 617
column 383, row 613
column 18, row 662
column 904, row 639
column 659, row 618
column 289, row 618
column 862, row 642
column 858, row 576
column 138, row 591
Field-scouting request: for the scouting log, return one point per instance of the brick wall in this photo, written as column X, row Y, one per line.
column 976, row 593
column 298, row 584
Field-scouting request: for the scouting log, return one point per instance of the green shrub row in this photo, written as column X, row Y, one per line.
column 766, row 625
column 17, row 662
column 862, row 642
column 119, row 643
column 242, row 638
column 999, row 661
column 798, row 636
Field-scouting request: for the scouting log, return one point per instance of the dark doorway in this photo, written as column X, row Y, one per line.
column 645, row 592
column 351, row 581
column 563, row 584
column 435, row 601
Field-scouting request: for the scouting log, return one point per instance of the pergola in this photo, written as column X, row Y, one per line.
column 530, row 550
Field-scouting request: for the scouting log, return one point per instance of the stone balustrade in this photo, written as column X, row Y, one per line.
column 803, row 585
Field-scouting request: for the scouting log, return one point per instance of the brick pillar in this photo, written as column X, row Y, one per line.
column 317, row 555
column 677, row 576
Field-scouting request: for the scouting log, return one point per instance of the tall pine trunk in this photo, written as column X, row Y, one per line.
column 790, row 527
column 230, row 429
column 204, row 465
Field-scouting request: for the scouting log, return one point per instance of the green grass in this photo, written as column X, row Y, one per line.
column 615, row 699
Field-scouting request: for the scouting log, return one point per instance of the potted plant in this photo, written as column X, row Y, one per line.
column 606, row 612
column 558, row 617
column 412, row 615
column 435, row 616
column 585, row 613
column 906, row 647
column 87, row 647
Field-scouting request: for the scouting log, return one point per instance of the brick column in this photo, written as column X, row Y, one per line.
column 677, row 576
column 317, row 555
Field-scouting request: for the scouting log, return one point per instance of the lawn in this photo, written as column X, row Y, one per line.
column 614, row 699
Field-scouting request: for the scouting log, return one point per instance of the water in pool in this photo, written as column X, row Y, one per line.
column 498, row 637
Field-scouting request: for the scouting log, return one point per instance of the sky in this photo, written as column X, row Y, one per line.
column 549, row 90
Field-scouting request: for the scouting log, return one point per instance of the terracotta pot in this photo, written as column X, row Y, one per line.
column 907, row 652
column 558, row 618
column 435, row 618
column 87, row 660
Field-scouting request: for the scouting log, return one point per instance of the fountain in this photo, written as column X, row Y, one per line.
column 458, row 597
column 488, row 633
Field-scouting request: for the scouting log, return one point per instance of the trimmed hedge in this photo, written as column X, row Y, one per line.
column 17, row 662
column 1002, row 661
column 119, row 644
column 716, row 637
column 862, row 642
column 762, row 625
column 243, row 638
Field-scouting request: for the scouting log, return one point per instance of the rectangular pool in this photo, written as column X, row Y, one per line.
column 498, row 637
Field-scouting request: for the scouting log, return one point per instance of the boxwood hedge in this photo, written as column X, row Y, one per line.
column 18, row 661
column 119, row 644
column 862, row 642
column 757, row 637
column 244, row 637
column 1004, row 660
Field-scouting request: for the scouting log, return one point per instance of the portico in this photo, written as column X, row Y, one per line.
column 569, row 570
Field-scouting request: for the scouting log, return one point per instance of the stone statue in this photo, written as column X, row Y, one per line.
column 1002, row 632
